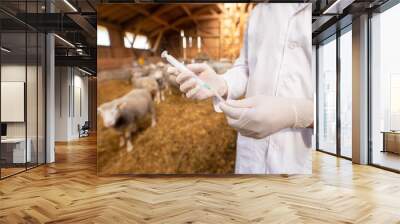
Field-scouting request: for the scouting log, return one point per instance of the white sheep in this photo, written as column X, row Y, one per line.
column 222, row 66
column 123, row 114
column 158, row 75
column 148, row 83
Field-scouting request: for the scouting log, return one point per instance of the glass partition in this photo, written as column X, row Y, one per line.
column 31, row 97
column 385, row 89
column 15, row 150
column 327, row 95
column 346, row 93
column 22, row 88
column 41, row 110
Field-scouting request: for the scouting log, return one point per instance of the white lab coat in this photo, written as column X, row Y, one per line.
column 276, row 61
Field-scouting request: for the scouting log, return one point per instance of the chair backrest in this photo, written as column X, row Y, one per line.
column 86, row 125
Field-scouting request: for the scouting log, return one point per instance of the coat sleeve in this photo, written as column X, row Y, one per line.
column 236, row 77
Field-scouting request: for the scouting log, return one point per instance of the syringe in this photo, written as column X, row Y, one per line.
column 182, row 68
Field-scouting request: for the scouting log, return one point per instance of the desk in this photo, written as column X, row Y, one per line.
column 13, row 150
column 391, row 141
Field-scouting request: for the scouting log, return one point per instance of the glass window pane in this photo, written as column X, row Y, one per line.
column 346, row 94
column 41, row 99
column 128, row 39
column 31, row 97
column 385, row 84
column 395, row 102
column 22, row 90
column 140, row 41
column 103, row 37
column 327, row 96
column 14, row 153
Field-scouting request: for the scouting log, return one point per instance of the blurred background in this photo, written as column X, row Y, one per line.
column 189, row 136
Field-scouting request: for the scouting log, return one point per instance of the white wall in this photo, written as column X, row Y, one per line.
column 14, row 73
column 61, row 103
column 70, row 83
column 79, row 117
column 33, row 127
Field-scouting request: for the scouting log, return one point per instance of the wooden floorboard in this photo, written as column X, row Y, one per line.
column 69, row 191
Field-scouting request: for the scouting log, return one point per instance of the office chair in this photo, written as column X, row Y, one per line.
column 84, row 130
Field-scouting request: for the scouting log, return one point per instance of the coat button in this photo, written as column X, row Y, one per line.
column 293, row 44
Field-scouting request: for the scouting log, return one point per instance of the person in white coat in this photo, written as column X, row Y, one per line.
column 273, row 73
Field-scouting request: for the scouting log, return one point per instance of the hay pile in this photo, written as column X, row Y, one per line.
column 189, row 138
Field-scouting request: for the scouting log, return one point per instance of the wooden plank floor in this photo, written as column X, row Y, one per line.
column 69, row 191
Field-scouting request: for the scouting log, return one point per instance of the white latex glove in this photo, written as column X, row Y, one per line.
column 261, row 116
column 189, row 86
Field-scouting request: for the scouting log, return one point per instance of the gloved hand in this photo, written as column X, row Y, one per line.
column 261, row 116
column 192, row 90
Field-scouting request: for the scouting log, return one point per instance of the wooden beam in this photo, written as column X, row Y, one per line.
column 148, row 14
column 133, row 22
column 187, row 11
column 109, row 25
column 157, row 43
column 110, row 11
column 207, row 17
column 139, row 10
column 205, row 31
column 123, row 13
column 151, row 16
column 125, row 16
column 206, row 35
column 221, row 7
column 198, row 14
column 183, row 20
column 213, row 12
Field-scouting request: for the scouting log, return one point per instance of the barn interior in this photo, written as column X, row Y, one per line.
column 193, row 33
column 211, row 31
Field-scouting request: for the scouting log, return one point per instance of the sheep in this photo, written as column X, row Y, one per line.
column 137, row 72
column 158, row 75
column 140, row 71
column 171, row 78
column 160, row 64
column 152, row 67
column 146, row 69
column 148, row 83
column 115, row 74
column 124, row 113
column 220, row 67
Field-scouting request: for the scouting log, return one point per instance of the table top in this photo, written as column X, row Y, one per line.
column 13, row 140
column 391, row 132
